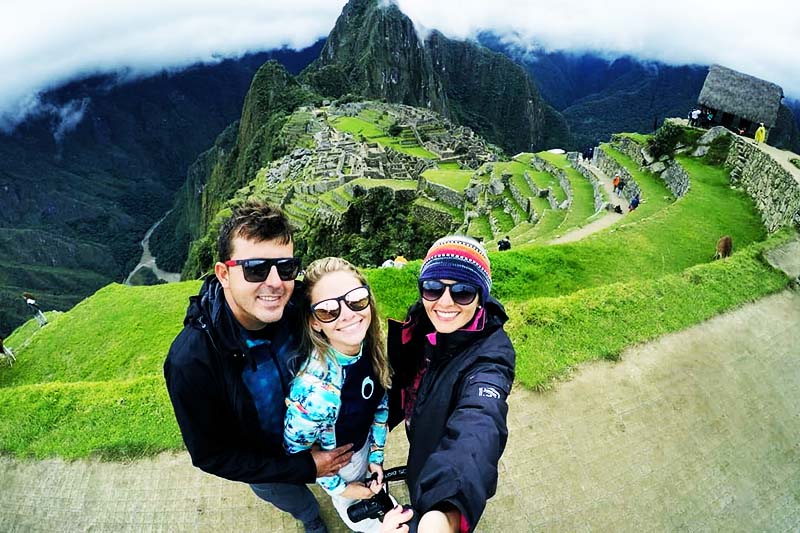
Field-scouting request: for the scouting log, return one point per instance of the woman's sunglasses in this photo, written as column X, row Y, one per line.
column 329, row 310
column 257, row 270
column 460, row 292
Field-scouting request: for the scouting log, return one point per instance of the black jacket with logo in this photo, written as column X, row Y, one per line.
column 457, row 430
column 214, row 409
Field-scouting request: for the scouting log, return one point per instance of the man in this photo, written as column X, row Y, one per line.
column 228, row 371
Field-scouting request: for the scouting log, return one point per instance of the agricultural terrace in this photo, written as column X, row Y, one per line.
column 458, row 180
column 90, row 382
column 373, row 133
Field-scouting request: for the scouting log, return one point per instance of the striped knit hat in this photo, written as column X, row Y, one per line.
column 459, row 258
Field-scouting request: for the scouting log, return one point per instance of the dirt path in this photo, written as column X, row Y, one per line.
column 608, row 220
column 699, row 430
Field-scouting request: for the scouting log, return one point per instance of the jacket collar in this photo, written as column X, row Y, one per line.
column 209, row 311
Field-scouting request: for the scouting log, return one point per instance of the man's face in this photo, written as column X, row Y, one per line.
column 255, row 304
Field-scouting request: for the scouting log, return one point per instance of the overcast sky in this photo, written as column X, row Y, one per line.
column 44, row 43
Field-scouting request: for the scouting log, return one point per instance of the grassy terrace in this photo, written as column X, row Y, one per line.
column 453, row 179
column 90, row 383
column 372, row 132
column 582, row 207
column 545, row 180
column 480, row 227
column 397, row 185
column 454, row 212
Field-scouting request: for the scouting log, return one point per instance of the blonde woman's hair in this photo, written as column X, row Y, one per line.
column 316, row 342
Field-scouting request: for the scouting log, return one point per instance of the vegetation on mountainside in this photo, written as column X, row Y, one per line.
column 92, row 194
column 370, row 132
column 377, row 226
column 99, row 365
column 457, row 180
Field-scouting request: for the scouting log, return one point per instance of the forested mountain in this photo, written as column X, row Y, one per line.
column 84, row 178
column 374, row 51
column 599, row 96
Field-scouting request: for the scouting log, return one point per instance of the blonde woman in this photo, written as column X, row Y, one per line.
column 339, row 394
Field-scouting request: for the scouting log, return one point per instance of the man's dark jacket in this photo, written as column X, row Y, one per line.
column 457, row 430
column 214, row 408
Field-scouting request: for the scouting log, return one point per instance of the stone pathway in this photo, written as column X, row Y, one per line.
column 607, row 220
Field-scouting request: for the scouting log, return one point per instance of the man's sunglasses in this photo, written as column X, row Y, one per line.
column 460, row 292
column 257, row 270
column 329, row 310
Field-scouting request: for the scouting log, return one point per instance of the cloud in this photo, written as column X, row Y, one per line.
column 760, row 38
column 44, row 43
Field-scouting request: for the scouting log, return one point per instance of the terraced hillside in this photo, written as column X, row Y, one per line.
column 89, row 383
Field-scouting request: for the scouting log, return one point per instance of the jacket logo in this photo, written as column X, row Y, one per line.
column 367, row 388
column 488, row 392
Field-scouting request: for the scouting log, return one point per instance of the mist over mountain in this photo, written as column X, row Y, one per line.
column 374, row 51
column 599, row 96
column 96, row 165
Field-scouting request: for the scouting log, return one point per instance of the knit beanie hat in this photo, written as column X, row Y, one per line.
column 459, row 258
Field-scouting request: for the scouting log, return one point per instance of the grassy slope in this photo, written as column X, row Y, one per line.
column 371, row 131
column 458, row 180
column 90, row 382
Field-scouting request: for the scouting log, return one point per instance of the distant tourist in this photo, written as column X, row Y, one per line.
column 388, row 263
column 6, row 354
column 634, row 203
column 615, row 183
column 694, row 117
column 37, row 312
column 620, row 186
column 618, row 209
column 400, row 261
column 229, row 369
column 504, row 244
column 761, row 133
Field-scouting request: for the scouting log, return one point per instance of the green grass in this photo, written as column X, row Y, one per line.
column 453, row 179
column 545, row 180
column 582, row 207
column 480, row 227
column 552, row 335
column 372, row 132
column 89, row 383
column 451, row 165
column 397, row 185
column 454, row 212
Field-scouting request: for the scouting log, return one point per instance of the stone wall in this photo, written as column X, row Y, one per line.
column 439, row 218
column 774, row 189
column 609, row 166
column 676, row 179
column 442, row 193
column 562, row 178
column 629, row 147
column 597, row 187
column 524, row 201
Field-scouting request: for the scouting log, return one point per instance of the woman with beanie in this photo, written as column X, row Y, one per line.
column 453, row 368
column 339, row 394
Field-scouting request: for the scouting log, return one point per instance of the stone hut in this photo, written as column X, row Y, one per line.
column 740, row 101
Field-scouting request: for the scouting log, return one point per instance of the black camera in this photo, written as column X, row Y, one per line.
column 381, row 503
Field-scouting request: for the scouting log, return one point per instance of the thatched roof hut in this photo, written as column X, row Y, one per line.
column 739, row 94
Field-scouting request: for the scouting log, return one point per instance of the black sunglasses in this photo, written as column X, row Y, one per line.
column 257, row 270
column 461, row 293
column 329, row 310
